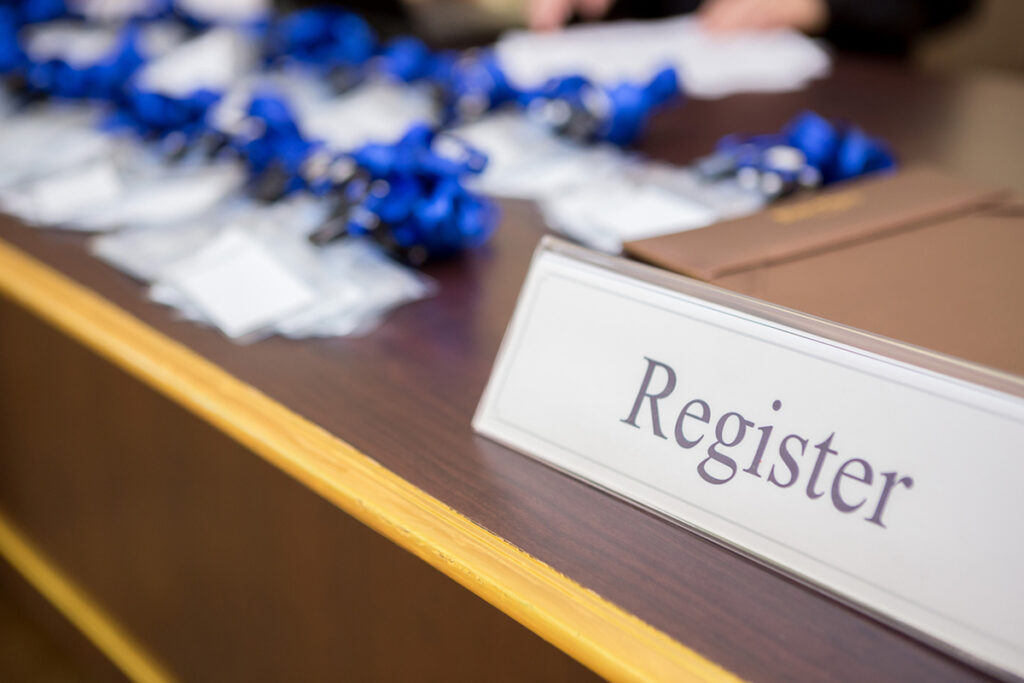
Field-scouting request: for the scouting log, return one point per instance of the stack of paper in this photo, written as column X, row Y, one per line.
column 709, row 65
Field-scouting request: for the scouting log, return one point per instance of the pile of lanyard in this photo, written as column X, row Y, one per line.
column 407, row 195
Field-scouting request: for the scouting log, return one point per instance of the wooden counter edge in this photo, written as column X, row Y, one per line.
column 604, row 637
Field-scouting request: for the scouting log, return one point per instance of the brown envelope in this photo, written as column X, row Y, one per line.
column 915, row 256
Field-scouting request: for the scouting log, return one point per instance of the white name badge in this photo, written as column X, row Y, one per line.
column 883, row 473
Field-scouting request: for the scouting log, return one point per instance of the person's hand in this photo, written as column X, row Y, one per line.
column 548, row 15
column 809, row 16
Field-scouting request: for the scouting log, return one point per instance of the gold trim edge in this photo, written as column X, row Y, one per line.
column 599, row 634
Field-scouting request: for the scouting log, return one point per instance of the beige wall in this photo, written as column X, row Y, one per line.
column 992, row 38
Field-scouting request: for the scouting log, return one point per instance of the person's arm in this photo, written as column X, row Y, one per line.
column 548, row 15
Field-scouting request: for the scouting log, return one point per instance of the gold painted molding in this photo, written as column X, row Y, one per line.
column 88, row 617
column 601, row 635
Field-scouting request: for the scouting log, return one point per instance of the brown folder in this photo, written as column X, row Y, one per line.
column 915, row 256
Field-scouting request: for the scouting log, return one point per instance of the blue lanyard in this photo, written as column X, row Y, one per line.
column 102, row 81
column 153, row 115
column 410, row 198
column 809, row 151
column 14, row 16
column 36, row 11
column 407, row 59
column 472, row 84
column 576, row 107
column 411, row 195
column 323, row 38
column 272, row 146
column 12, row 57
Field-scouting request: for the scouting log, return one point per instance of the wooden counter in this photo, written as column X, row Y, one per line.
column 129, row 470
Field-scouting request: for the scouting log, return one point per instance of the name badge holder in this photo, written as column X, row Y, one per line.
column 881, row 473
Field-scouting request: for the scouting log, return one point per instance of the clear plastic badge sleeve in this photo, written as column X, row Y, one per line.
column 48, row 139
column 146, row 252
column 238, row 284
column 59, row 198
column 376, row 111
column 643, row 200
column 171, row 198
column 226, row 12
column 116, row 10
column 357, row 285
column 213, row 61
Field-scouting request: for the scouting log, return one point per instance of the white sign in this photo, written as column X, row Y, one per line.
column 814, row 447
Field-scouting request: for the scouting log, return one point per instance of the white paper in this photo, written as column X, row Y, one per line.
column 238, row 284
column 709, row 65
